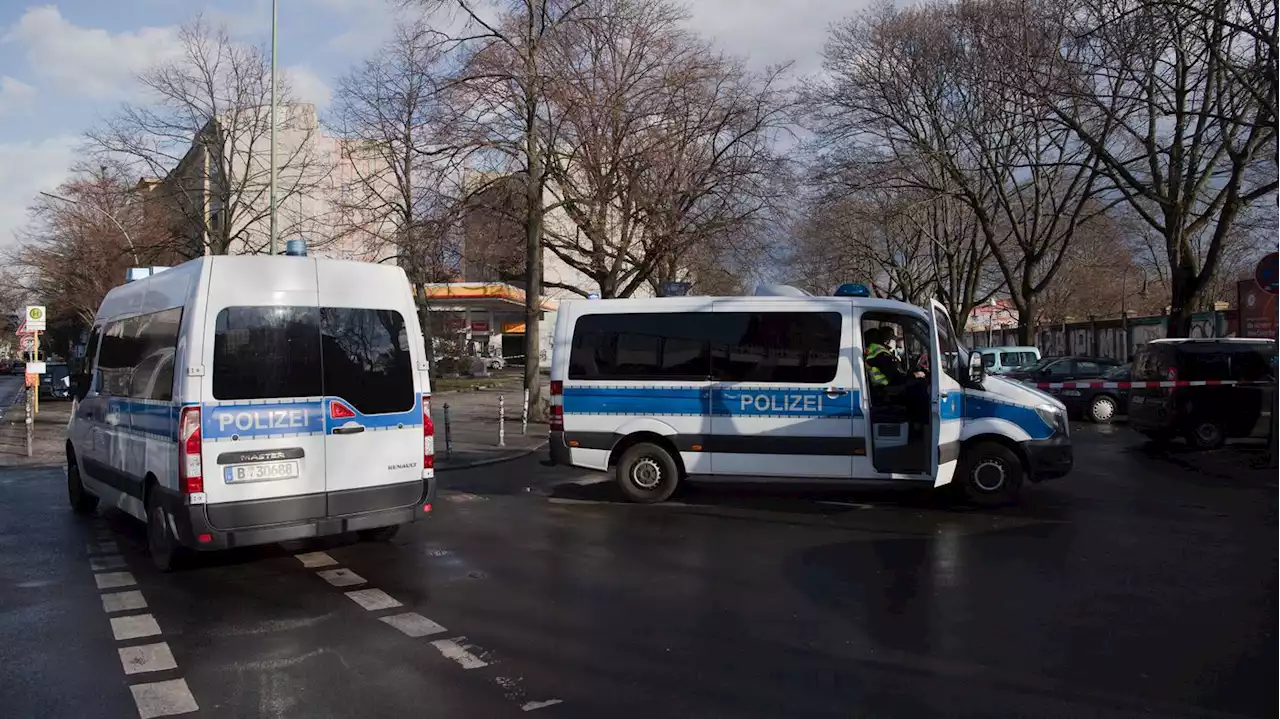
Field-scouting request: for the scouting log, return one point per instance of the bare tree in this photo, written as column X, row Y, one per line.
column 503, row 124
column 205, row 131
column 921, row 90
column 1186, row 94
column 663, row 147
column 393, row 173
column 81, row 240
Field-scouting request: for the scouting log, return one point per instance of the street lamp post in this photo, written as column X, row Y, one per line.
column 273, row 127
column 132, row 250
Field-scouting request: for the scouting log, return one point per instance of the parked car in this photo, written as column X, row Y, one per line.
column 18, row 367
column 55, row 383
column 1207, row 415
column 1099, row 404
column 1063, row 369
column 1000, row 360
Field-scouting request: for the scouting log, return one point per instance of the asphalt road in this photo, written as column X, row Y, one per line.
column 1136, row 586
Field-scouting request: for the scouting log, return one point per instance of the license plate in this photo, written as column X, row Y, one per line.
column 261, row 472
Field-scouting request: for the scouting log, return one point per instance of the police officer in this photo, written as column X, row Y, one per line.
column 883, row 368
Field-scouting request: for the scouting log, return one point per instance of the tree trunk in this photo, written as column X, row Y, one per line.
column 1182, row 301
column 1026, row 323
column 533, row 279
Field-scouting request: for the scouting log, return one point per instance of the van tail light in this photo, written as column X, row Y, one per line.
column 338, row 410
column 557, row 406
column 190, row 466
column 428, row 436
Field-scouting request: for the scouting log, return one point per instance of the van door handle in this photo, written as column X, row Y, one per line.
column 835, row 391
column 348, row 430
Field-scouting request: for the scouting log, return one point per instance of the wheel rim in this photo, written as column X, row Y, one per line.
column 1103, row 409
column 989, row 475
column 646, row 473
column 1207, row 433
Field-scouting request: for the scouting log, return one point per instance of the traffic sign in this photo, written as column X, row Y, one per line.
column 1267, row 273
column 28, row 343
column 35, row 368
column 35, row 318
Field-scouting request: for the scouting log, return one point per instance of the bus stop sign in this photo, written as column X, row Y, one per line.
column 1266, row 273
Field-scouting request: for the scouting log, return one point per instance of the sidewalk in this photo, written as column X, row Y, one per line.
column 50, row 431
column 474, row 428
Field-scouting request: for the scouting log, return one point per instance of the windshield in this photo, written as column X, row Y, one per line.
column 1119, row 372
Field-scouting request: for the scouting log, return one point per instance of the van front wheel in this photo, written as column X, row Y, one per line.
column 990, row 474
column 647, row 473
column 82, row 502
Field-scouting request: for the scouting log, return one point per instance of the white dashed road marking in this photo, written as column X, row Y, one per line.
column 162, row 699
column 530, row 706
column 123, row 601
column 341, row 577
column 373, row 599
column 147, row 658
column 134, row 627
column 312, row 560
column 114, row 580
column 413, row 624
column 451, row 649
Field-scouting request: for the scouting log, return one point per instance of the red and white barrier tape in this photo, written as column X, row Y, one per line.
column 1091, row 384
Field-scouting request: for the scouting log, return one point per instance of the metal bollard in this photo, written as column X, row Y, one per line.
column 524, row 414
column 502, row 421
column 448, row 435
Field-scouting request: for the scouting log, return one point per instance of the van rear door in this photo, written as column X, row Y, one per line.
column 263, row 422
column 373, row 408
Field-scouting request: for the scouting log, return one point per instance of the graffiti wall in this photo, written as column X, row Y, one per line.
column 1107, row 339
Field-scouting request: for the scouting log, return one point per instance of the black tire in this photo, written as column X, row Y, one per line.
column 1206, row 434
column 989, row 474
column 1103, row 408
column 381, row 534
column 166, row 553
column 647, row 473
column 82, row 501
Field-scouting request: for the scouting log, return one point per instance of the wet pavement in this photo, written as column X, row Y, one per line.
column 1142, row 584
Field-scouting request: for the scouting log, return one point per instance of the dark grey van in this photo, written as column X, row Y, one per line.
column 1225, row 389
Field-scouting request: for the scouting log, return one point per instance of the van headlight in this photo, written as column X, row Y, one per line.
column 1054, row 417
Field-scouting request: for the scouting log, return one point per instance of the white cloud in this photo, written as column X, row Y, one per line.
column 14, row 94
column 770, row 32
column 308, row 87
column 88, row 61
column 26, row 168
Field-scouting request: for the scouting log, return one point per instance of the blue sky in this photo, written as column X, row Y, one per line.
column 66, row 65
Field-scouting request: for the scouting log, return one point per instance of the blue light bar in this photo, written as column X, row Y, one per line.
column 852, row 289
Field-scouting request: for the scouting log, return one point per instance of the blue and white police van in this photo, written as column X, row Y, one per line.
column 238, row 400
column 774, row 387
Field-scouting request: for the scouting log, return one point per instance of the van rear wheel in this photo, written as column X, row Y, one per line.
column 1206, row 434
column 990, row 474
column 647, row 473
column 82, row 502
column 165, row 551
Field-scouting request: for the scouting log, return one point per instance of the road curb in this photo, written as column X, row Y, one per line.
column 487, row 462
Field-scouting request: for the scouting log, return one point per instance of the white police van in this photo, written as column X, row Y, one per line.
column 237, row 400
column 774, row 387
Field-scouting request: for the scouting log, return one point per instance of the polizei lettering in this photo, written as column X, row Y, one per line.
column 263, row 419
column 781, row 403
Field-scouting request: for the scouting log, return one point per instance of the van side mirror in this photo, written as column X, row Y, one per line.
column 79, row 386
column 977, row 369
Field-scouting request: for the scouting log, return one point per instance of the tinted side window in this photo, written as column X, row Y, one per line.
column 91, row 351
column 157, row 344
column 989, row 359
column 267, row 353
column 781, row 347
column 1087, row 368
column 638, row 346
column 366, row 359
column 1060, row 369
column 119, row 355
column 1197, row 363
column 1254, row 363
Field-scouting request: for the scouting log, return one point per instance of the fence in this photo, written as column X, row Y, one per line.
column 1112, row 338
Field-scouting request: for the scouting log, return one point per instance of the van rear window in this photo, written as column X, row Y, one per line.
column 359, row 355
column 267, row 353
